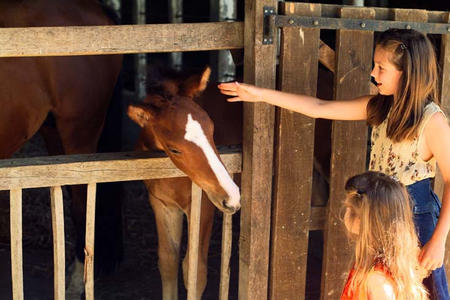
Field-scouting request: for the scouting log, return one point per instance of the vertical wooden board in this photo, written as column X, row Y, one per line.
column 410, row 15
column 194, row 232
column 227, row 231
column 259, row 69
column 89, row 247
column 354, row 51
column 445, row 104
column 16, row 243
column 59, row 256
column 294, row 159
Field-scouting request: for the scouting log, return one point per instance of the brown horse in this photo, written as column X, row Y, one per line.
column 72, row 93
column 173, row 122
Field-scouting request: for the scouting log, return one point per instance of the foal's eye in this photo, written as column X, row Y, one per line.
column 174, row 151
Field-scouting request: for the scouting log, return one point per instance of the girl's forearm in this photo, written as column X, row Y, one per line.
column 443, row 225
column 354, row 109
column 307, row 105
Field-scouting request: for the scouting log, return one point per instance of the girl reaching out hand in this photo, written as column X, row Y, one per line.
column 410, row 133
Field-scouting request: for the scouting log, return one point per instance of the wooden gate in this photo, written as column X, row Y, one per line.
column 56, row 171
column 301, row 51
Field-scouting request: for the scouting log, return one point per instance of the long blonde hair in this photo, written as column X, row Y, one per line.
column 386, row 233
column 414, row 55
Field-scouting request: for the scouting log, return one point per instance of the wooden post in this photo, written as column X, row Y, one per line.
column 445, row 104
column 294, row 157
column 15, row 197
column 259, row 69
column 176, row 16
column 194, row 232
column 221, row 60
column 349, row 141
column 140, row 58
column 226, row 254
column 89, row 247
column 59, row 256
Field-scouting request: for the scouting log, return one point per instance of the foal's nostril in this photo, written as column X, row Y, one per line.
column 230, row 209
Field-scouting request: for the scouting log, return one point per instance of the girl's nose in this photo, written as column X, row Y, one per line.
column 373, row 73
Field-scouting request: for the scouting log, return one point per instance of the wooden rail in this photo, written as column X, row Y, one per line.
column 93, row 40
column 90, row 169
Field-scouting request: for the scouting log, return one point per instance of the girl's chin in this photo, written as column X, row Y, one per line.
column 384, row 93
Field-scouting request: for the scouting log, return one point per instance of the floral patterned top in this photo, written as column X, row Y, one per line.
column 402, row 160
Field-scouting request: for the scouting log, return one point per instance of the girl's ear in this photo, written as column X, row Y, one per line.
column 141, row 114
column 196, row 84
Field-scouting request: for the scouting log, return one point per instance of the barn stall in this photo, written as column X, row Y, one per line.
column 278, row 145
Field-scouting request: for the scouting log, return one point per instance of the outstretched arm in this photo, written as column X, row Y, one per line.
column 354, row 109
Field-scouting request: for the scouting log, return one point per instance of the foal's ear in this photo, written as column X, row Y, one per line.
column 196, row 84
column 140, row 114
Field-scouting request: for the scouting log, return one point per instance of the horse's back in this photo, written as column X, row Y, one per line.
column 72, row 87
column 34, row 13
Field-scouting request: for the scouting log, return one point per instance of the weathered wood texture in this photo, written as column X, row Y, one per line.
column 194, row 233
column 59, row 260
column 227, row 240
column 89, row 244
column 349, row 140
column 445, row 104
column 88, row 168
column 382, row 13
column 15, row 211
column 259, row 69
column 294, row 155
column 88, row 40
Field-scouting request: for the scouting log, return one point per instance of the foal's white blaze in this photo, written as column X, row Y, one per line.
column 195, row 134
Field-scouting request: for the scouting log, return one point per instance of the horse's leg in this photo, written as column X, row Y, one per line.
column 206, row 222
column 169, row 224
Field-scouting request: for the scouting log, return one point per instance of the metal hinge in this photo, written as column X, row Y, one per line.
column 268, row 25
column 272, row 21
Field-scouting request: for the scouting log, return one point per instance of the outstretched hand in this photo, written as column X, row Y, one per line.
column 241, row 92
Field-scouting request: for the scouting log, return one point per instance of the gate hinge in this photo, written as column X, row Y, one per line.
column 268, row 25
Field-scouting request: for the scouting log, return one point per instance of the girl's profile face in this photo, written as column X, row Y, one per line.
column 385, row 73
column 351, row 222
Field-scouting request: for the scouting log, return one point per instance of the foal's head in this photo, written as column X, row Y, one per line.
column 174, row 123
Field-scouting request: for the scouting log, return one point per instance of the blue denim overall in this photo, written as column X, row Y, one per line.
column 426, row 213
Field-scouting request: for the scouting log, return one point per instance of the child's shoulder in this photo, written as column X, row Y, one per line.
column 380, row 285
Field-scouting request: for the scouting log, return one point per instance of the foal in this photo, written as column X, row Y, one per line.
column 171, row 121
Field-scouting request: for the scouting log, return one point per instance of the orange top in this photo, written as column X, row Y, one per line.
column 361, row 291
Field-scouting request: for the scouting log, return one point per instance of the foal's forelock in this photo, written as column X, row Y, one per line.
column 196, row 135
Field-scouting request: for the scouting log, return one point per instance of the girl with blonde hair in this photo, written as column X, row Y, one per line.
column 410, row 133
column 379, row 219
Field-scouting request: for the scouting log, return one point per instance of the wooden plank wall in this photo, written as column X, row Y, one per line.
column 294, row 159
column 349, row 141
column 259, row 69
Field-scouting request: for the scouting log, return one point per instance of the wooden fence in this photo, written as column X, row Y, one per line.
column 274, row 232
column 56, row 171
